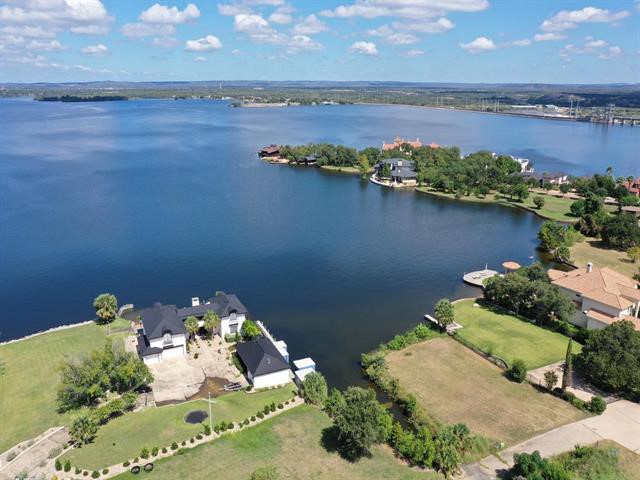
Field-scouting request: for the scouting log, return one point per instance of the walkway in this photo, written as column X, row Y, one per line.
column 34, row 460
column 620, row 423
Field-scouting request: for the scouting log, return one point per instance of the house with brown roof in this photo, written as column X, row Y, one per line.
column 601, row 295
column 632, row 186
column 398, row 142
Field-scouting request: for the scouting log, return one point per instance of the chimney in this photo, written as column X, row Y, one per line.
column 589, row 267
column 195, row 301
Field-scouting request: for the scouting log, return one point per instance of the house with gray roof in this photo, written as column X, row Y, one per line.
column 163, row 335
column 396, row 172
column 266, row 367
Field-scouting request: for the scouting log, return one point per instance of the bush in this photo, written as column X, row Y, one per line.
column 272, row 407
column 126, row 463
column 538, row 201
column 518, row 371
column 164, row 449
column 182, row 451
column 67, row 466
column 253, row 418
column 95, row 474
column 314, row 389
column 105, row 471
column 144, row 453
column 12, row 455
column 246, row 421
column 135, row 460
column 154, row 451
column 53, row 453
column 260, row 415
column 78, row 470
column 266, row 410
column 184, row 442
column 597, row 405
column 199, row 436
column 207, row 429
column 85, row 473
column 58, row 465
column 174, row 446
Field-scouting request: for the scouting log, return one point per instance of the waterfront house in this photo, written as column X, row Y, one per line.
column 601, row 296
column 265, row 365
column 272, row 150
column 396, row 172
column 556, row 178
column 162, row 333
column 398, row 142
column 308, row 160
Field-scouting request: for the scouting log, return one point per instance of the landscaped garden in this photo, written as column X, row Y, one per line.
column 454, row 384
column 124, row 437
column 298, row 443
column 30, row 376
column 508, row 337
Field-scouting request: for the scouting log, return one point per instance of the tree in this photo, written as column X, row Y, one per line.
column 518, row 371
column 211, row 322
column 106, row 306
column 314, row 388
column 610, row 358
column 621, row 232
column 538, row 201
column 550, row 379
column 444, row 312
column 249, row 330
column 567, row 373
column 520, row 191
column 447, row 458
column 191, row 324
column 565, row 188
column 363, row 164
column 361, row 421
column 562, row 254
column 83, row 429
column 334, row 403
column 551, row 236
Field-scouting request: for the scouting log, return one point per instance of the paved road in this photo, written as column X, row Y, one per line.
column 620, row 423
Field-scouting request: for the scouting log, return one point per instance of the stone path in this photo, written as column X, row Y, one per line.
column 34, row 460
column 620, row 423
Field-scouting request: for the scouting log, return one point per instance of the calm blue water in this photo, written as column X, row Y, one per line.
column 164, row 200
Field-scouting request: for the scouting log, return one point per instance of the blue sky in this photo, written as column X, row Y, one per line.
column 590, row 41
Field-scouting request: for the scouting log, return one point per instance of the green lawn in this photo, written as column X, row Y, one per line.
column 591, row 250
column 509, row 337
column 122, row 438
column 28, row 384
column 295, row 442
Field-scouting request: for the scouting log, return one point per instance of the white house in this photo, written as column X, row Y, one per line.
column 266, row 367
column 163, row 334
column 601, row 295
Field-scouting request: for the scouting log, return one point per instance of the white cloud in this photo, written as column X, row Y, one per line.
column 364, row 48
column 548, row 37
column 567, row 19
column 401, row 39
column 98, row 50
column 27, row 31
column 169, row 15
column 78, row 16
column 231, row 10
column 302, row 43
column 414, row 53
column 599, row 48
column 137, row 30
column 257, row 29
column 165, row 42
column 521, row 43
column 382, row 31
column 200, row 59
column 479, row 45
column 414, row 9
column 596, row 44
column 281, row 18
column 310, row 26
column 205, row 44
column 441, row 25
column 239, row 7
column 611, row 52
column 48, row 46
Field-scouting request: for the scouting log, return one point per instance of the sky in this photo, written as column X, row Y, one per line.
column 496, row 41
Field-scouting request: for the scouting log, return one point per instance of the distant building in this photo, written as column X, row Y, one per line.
column 398, row 142
column 632, row 186
column 601, row 295
column 401, row 172
column 163, row 335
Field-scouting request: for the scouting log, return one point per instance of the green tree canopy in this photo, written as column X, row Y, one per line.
column 211, row 322
column 83, row 429
column 191, row 324
column 249, row 330
column 314, row 388
column 444, row 312
column 106, row 306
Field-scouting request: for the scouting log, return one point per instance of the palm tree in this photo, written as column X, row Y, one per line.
column 211, row 322
column 191, row 324
column 444, row 313
column 106, row 306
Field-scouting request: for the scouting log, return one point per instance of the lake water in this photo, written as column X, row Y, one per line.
column 163, row 200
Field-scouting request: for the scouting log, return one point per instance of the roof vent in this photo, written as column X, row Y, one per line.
column 589, row 267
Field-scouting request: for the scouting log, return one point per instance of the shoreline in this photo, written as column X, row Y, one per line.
column 44, row 332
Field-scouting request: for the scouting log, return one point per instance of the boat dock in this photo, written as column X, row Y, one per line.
column 478, row 277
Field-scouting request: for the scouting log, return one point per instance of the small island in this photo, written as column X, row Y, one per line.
column 78, row 99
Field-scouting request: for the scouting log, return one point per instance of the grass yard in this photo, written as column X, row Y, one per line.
column 610, row 461
column 590, row 250
column 122, row 438
column 349, row 170
column 456, row 385
column 294, row 442
column 30, row 379
column 508, row 337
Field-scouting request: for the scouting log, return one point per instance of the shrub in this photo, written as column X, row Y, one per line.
column 67, row 466
column 272, row 407
column 174, row 446
column 78, row 471
column 230, row 426
column 126, row 463
column 597, row 404
column 85, row 473
column 538, row 201
column 135, row 460
column 518, row 371
column 95, row 474
column 286, row 402
column 164, row 449
column 191, row 440
column 105, row 471
column 144, row 453
column 314, row 389
column 199, row 436
column 207, row 429
column 184, row 442
column 182, row 451
column 154, row 451
column 53, row 453
column 253, row 418
column 12, row 455
column 260, row 415
column 58, row 465
column 266, row 410
column 246, row 421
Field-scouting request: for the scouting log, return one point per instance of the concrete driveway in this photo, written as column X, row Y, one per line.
column 175, row 379
column 620, row 423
